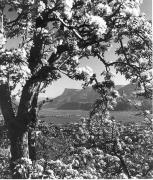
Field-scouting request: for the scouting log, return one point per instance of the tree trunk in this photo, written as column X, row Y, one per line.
column 18, row 125
column 19, row 149
column 18, row 137
column 16, row 130
column 32, row 145
column 19, row 144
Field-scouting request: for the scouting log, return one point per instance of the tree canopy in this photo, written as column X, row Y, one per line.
column 56, row 35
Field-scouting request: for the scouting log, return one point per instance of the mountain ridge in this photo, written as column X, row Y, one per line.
column 75, row 97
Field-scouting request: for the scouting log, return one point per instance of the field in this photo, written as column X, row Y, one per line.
column 69, row 116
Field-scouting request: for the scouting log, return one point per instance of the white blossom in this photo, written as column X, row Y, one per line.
column 50, row 172
column 39, row 29
column 41, row 6
column 104, row 8
column 25, row 69
column 60, row 42
column 116, row 93
column 148, row 25
column 76, row 59
column 68, row 4
column 138, row 2
column 123, row 176
column 147, row 111
column 44, row 31
column 143, row 61
column 87, row 71
column 131, row 8
column 3, row 80
column 136, row 11
column 37, row 133
column 27, row 160
column 16, row 2
column 31, row 2
column 19, row 10
column 8, row 53
column 99, row 23
column 89, row 48
column 54, row 49
column 40, row 168
column 148, row 74
column 29, row 24
column 68, row 14
column 23, row 53
column 2, row 50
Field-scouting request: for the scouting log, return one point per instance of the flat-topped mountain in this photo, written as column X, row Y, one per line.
column 75, row 99
column 87, row 95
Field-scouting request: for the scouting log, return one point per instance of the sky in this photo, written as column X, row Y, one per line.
column 58, row 87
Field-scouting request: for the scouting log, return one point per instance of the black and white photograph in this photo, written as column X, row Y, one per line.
column 76, row 84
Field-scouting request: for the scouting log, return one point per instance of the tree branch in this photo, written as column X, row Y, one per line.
column 68, row 26
column 117, row 62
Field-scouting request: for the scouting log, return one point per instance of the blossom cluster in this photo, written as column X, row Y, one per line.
column 86, row 72
column 75, row 59
column 14, row 54
column 131, row 143
column 99, row 24
column 15, row 62
column 68, row 4
column 104, row 9
column 131, row 8
column 148, row 75
column 41, row 6
column 87, row 163
column 31, row 2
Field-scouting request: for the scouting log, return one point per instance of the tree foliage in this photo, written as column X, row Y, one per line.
column 52, row 37
column 56, row 35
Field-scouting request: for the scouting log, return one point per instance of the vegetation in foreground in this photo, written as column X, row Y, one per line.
column 55, row 35
column 89, row 149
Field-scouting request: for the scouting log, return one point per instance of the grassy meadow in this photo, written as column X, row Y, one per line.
column 70, row 116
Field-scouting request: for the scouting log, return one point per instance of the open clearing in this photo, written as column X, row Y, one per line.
column 69, row 116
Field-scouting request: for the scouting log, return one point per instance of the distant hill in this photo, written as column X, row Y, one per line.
column 128, row 90
column 87, row 95
column 75, row 99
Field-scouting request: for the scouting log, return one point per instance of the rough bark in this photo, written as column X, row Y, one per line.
column 31, row 136
column 18, row 125
column 19, row 145
column 18, row 138
column 6, row 104
column 32, row 145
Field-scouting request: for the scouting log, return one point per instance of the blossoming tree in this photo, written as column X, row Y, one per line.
column 53, row 36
